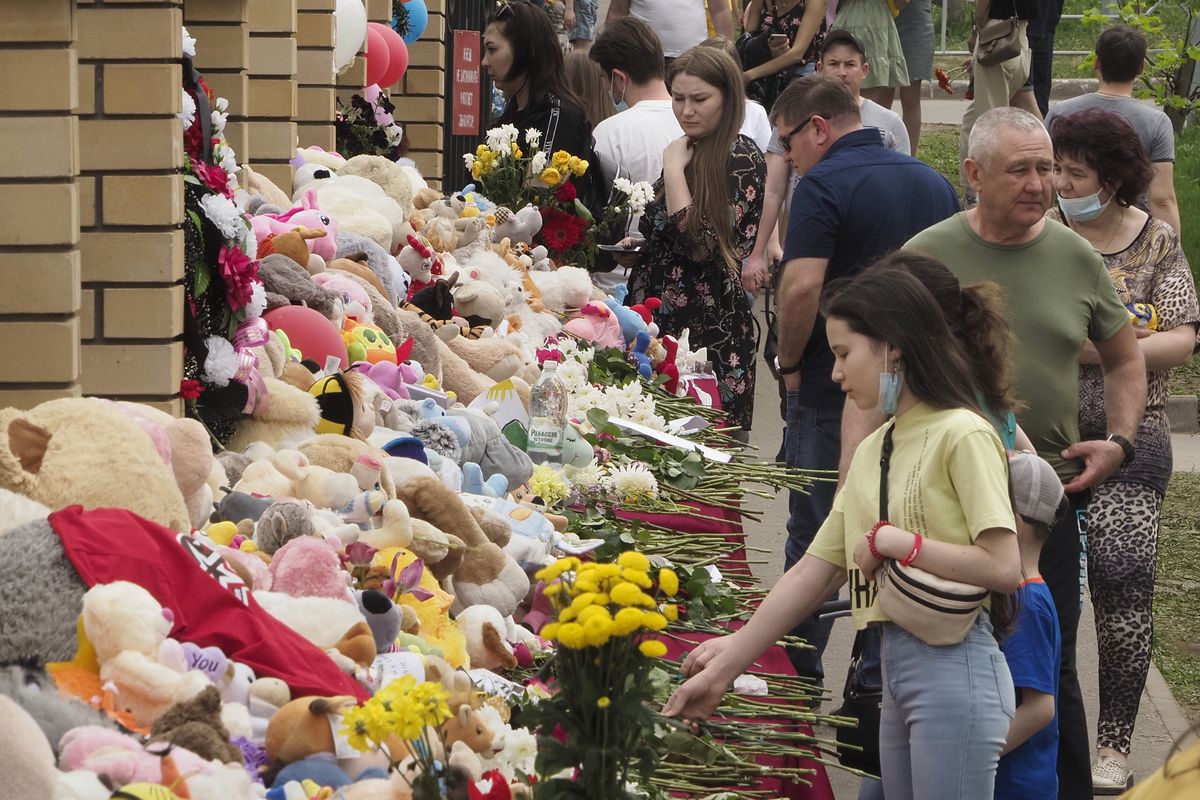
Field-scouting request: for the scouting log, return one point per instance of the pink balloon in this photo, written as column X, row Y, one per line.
column 398, row 57
column 309, row 332
column 378, row 55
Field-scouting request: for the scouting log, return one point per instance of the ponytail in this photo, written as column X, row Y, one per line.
column 983, row 329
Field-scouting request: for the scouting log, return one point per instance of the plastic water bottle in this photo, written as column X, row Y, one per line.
column 547, row 416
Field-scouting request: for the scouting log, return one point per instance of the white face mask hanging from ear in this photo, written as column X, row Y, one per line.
column 618, row 103
column 891, row 381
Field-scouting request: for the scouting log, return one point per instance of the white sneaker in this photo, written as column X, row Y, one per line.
column 1110, row 776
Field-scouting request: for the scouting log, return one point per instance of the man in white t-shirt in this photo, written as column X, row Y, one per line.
column 630, row 144
column 632, row 141
column 680, row 24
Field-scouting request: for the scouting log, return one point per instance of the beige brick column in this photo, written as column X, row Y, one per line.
column 39, row 203
column 272, row 106
column 315, row 73
column 222, row 54
column 131, row 151
column 420, row 97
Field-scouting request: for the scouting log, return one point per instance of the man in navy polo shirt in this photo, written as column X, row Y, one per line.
column 857, row 201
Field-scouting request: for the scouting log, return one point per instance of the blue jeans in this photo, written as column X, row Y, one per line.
column 945, row 716
column 812, row 440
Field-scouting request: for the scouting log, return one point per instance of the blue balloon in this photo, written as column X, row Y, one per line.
column 418, row 20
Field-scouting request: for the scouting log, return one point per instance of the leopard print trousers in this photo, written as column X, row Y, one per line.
column 1122, row 546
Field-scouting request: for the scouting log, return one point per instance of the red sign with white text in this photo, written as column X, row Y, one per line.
column 465, row 84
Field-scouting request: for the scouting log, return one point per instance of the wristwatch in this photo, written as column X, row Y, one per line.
column 782, row 370
column 1126, row 445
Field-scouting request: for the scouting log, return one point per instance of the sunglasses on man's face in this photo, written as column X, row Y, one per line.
column 786, row 141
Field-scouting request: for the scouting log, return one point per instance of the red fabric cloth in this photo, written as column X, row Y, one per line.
column 710, row 519
column 211, row 604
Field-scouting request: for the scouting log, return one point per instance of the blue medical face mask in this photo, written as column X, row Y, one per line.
column 618, row 103
column 891, row 382
column 1083, row 209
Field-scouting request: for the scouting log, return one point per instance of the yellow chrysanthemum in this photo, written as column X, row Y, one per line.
column 593, row 612
column 637, row 577
column 552, row 590
column 603, row 702
column 671, row 612
column 654, row 620
column 476, row 170
column 567, row 614
column 586, row 585
column 549, row 632
column 627, row 621
column 516, row 151
column 624, row 594
column 652, row 648
column 582, row 601
column 580, row 168
column 589, row 566
column 571, row 635
column 551, row 176
column 632, row 559
column 596, row 632
column 481, row 150
column 560, row 159
column 668, row 581
column 606, row 571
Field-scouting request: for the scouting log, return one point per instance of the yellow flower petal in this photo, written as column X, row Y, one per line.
column 632, row 559
column 668, row 581
column 652, row 648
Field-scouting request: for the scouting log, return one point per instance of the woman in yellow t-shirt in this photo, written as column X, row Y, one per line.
column 946, row 710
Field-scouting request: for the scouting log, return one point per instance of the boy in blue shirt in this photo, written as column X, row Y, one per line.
column 1028, row 763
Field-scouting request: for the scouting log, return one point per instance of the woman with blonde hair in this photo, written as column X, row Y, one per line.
column 703, row 223
column 587, row 81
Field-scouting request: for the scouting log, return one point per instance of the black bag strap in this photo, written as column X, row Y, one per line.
column 885, row 463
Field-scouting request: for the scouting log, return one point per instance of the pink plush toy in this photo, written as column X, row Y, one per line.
column 309, row 567
column 355, row 300
column 597, row 323
column 120, row 757
column 307, row 215
column 392, row 379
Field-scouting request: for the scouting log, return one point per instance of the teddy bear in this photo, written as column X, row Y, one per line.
column 196, row 725
column 485, row 630
column 289, row 418
column 490, row 449
column 564, row 288
column 294, row 245
column 389, row 175
column 378, row 259
column 289, row 474
column 518, row 226
column 361, row 206
column 486, row 574
column 480, row 303
column 129, row 631
column 88, row 451
column 287, row 283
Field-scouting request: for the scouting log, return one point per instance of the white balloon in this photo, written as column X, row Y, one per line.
column 350, row 22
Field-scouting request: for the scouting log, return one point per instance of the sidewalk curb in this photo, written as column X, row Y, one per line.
column 1183, row 413
column 1168, row 710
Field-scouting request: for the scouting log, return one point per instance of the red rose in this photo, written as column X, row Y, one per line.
column 566, row 193
column 214, row 177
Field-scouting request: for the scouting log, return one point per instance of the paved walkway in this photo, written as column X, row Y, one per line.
column 1160, row 721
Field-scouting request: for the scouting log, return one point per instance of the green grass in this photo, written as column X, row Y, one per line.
column 939, row 149
column 1177, row 593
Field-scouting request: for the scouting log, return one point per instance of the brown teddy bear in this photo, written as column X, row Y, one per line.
column 196, row 725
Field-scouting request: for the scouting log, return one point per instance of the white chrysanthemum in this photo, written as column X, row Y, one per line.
column 258, row 300
column 623, row 185
column 222, row 362
column 537, row 163
column 519, row 753
column 189, row 44
column 585, row 476
column 221, row 104
column 221, row 212
column 501, row 139
column 633, row 482
column 533, row 137
column 188, row 115
column 469, row 160
column 573, row 374
column 640, row 195
column 219, row 118
column 226, row 158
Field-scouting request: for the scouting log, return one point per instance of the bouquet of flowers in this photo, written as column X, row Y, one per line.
column 367, row 127
column 509, row 177
column 606, row 670
column 626, row 202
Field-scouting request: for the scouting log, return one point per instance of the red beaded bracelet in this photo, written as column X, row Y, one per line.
column 871, row 539
column 916, row 548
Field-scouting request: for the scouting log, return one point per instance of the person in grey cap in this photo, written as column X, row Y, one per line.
column 1028, row 761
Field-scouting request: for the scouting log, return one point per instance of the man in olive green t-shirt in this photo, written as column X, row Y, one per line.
column 1058, row 295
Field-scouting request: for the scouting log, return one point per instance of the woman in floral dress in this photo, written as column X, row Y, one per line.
column 703, row 223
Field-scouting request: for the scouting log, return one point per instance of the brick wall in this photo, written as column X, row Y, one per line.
column 39, row 203
column 420, row 97
column 316, row 77
column 131, row 244
column 271, row 106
